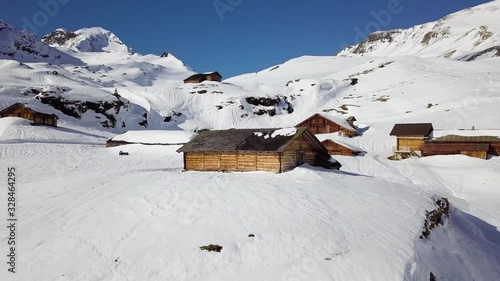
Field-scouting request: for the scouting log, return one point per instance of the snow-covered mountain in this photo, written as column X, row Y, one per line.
column 94, row 39
column 23, row 46
column 470, row 34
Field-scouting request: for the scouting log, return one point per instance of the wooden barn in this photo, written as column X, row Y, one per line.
column 319, row 124
column 338, row 148
column 36, row 118
column 478, row 150
column 200, row 77
column 493, row 142
column 411, row 136
column 273, row 150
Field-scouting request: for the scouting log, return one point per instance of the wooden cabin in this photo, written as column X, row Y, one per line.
column 36, row 118
column 411, row 136
column 319, row 124
column 478, row 150
column 255, row 150
column 200, row 77
column 338, row 148
column 493, row 142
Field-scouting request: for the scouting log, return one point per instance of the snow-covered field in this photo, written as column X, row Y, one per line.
column 86, row 213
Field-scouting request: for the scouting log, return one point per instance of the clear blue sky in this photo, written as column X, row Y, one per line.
column 239, row 36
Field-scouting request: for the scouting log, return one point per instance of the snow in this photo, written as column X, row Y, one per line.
column 468, row 133
column 286, row 132
column 89, row 214
column 156, row 137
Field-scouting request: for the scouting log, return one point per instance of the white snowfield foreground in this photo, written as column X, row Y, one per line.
column 86, row 213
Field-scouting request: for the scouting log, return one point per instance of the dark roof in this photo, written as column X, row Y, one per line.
column 202, row 76
column 17, row 104
column 469, row 139
column 412, row 130
column 351, row 118
column 451, row 147
column 243, row 140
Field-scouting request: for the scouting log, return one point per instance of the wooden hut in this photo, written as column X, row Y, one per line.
column 36, row 118
column 478, row 150
column 200, row 77
column 492, row 141
column 338, row 148
column 319, row 124
column 411, row 136
column 274, row 150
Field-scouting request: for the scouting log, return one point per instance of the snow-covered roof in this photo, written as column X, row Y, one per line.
column 347, row 145
column 336, row 119
column 155, row 137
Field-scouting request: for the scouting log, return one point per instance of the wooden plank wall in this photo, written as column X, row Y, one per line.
column 232, row 161
column 412, row 143
column 336, row 149
column 319, row 125
column 302, row 143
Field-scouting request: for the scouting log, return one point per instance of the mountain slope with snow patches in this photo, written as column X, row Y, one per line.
column 470, row 34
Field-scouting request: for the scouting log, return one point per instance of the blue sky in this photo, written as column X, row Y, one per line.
column 231, row 36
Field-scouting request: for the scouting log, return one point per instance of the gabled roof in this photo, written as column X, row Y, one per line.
column 351, row 118
column 17, row 104
column 339, row 121
column 412, row 130
column 451, row 147
column 264, row 140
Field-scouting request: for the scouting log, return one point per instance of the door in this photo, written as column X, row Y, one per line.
column 301, row 158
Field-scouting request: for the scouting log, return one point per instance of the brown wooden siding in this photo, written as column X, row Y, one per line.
column 337, row 149
column 412, row 144
column 232, row 161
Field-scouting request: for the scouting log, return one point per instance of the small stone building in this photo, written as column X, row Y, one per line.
column 273, row 150
column 200, row 77
column 36, row 118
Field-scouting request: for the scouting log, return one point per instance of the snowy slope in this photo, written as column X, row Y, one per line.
column 470, row 34
column 94, row 215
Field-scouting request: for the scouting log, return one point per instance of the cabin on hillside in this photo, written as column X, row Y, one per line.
column 339, row 148
column 478, row 150
column 200, row 77
column 273, row 150
column 319, row 124
column 411, row 136
column 23, row 111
